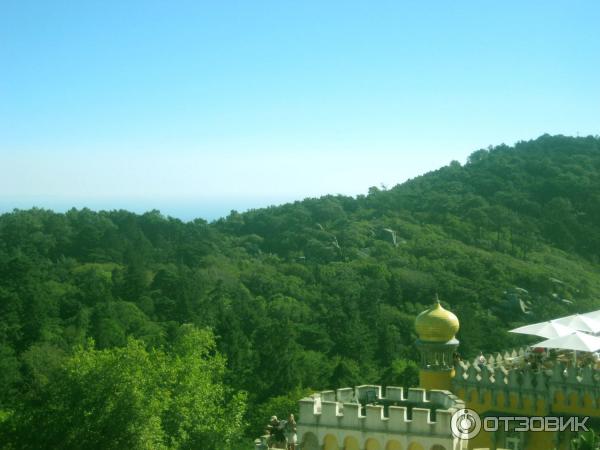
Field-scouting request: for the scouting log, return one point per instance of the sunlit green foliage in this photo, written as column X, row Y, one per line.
column 128, row 397
column 586, row 441
column 320, row 293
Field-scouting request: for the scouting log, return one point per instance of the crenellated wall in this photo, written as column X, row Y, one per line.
column 371, row 418
column 506, row 386
column 407, row 417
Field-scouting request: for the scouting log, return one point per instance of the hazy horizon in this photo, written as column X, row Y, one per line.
column 238, row 106
column 212, row 207
column 183, row 209
column 207, row 207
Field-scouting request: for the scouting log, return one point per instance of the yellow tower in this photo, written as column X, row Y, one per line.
column 436, row 328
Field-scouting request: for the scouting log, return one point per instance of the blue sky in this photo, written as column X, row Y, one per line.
column 198, row 107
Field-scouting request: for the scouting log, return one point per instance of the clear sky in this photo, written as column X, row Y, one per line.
column 199, row 107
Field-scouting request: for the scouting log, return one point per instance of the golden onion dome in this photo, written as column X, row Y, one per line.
column 436, row 324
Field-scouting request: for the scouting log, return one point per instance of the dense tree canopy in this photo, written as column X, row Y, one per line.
column 320, row 293
column 129, row 397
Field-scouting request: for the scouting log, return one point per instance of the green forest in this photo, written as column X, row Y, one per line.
column 120, row 330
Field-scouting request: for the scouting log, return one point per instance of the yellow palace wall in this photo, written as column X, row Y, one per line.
column 481, row 402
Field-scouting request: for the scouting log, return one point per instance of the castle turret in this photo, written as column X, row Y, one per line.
column 436, row 328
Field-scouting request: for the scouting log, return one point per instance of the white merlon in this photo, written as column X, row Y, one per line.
column 364, row 413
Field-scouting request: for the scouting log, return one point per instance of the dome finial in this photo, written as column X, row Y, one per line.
column 436, row 324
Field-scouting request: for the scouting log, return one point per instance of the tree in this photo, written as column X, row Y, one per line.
column 587, row 440
column 401, row 372
column 133, row 398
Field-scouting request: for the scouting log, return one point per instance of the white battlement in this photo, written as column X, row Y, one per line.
column 499, row 375
column 415, row 411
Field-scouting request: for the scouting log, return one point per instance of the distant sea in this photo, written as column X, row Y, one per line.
column 209, row 209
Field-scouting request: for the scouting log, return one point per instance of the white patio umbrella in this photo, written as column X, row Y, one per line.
column 594, row 315
column 550, row 329
column 580, row 322
column 577, row 341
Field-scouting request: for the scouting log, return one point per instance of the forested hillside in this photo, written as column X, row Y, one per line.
column 264, row 305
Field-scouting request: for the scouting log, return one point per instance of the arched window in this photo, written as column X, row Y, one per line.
column 351, row 443
column 310, row 442
column 330, row 442
column 393, row 445
column 372, row 444
column 415, row 446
